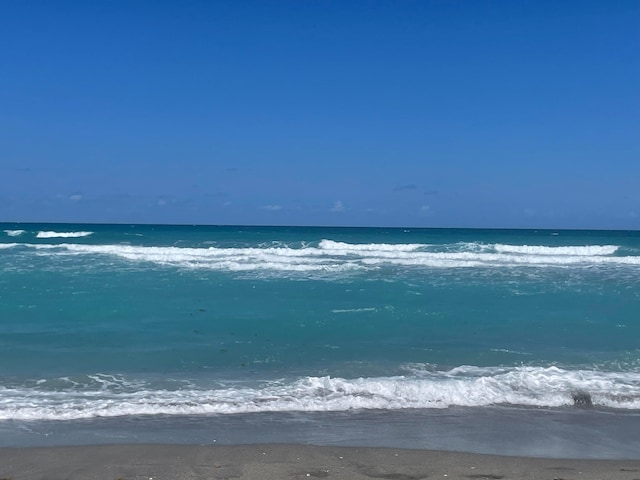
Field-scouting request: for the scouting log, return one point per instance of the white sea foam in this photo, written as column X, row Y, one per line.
column 506, row 350
column 50, row 234
column 588, row 250
column 7, row 245
column 336, row 257
column 229, row 259
column 342, row 248
column 354, row 310
column 14, row 233
column 462, row 386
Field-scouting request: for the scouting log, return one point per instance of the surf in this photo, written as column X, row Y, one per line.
column 465, row 386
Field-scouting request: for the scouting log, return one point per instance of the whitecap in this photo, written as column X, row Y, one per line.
column 108, row 396
column 50, row 234
column 337, row 257
column 586, row 250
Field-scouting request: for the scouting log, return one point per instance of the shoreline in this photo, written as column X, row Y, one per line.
column 515, row 432
column 295, row 461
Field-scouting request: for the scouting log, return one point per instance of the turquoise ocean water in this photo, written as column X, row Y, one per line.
column 101, row 325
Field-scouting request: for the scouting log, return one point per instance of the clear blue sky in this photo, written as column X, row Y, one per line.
column 398, row 113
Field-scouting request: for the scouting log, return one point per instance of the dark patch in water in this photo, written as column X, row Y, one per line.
column 582, row 399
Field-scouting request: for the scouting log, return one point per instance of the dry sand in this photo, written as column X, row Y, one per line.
column 275, row 461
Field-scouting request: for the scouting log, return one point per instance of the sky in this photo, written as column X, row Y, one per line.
column 429, row 113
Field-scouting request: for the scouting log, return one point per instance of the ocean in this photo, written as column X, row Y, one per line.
column 494, row 341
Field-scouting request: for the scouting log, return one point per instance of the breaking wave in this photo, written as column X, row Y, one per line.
column 109, row 396
column 589, row 250
column 330, row 256
column 50, row 234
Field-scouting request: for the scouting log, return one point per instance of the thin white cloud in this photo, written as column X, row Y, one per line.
column 271, row 208
column 164, row 200
column 76, row 197
column 425, row 210
column 338, row 206
column 402, row 188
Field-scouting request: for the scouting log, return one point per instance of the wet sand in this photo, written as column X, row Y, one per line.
column 279, row 461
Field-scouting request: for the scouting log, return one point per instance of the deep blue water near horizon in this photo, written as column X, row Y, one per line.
column 115, row 333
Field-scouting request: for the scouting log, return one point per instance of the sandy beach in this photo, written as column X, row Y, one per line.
column 279, row 461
